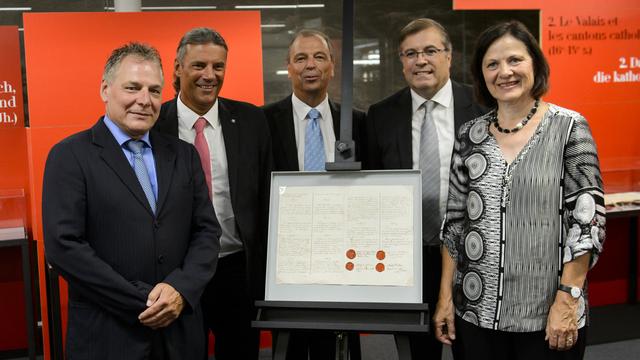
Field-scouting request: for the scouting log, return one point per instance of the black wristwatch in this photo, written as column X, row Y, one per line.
column 574, row 291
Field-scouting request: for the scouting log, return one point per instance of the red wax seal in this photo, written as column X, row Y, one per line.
column 380, row 255
column 379, row 267
column 351, row 254
column 349, row 266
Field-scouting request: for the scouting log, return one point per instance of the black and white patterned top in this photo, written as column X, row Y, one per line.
column 511, row 227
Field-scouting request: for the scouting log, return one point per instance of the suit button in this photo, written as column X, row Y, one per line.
column 156, row 224
column 160, row 259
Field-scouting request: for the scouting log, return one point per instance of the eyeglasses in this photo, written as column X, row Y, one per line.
column 430, row 52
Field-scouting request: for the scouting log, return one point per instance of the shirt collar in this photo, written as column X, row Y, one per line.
column 302, row 109
column 121, row 136
column 442, row 97
column 188, row 117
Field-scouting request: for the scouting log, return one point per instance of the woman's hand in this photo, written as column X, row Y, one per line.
column 562, row 323
column 443, row 318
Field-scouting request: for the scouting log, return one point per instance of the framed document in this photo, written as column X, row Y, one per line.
column 345, row 237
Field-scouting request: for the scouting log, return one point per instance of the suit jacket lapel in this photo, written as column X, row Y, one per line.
column 165, row 157
column 231, row 143
column 114, row 157
column 287, row 133
column 405, row 117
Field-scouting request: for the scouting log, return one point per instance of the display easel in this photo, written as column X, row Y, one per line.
column 401, row 320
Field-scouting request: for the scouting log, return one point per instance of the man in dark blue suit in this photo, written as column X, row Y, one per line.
column 395, row 132
column 128, row 223
column 232, row 138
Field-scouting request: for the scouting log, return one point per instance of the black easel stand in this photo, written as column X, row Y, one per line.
column 399, row 319
column 345, row 151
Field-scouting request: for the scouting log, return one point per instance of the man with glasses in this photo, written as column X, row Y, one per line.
column 415, row 129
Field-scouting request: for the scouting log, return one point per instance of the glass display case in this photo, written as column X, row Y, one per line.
column 12, row 214
column 621, row 177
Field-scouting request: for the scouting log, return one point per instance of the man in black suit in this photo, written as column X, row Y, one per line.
column 128, row 223
column 233, row 141
column 394, row 130
column 310, row 64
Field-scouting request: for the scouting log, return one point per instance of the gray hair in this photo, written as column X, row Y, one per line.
column 311, row 33
column 138, row 50
column 196, row 36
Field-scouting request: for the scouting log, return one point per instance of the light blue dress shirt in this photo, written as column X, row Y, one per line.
column 147, row 151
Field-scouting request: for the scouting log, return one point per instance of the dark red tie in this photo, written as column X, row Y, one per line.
column 203, row 150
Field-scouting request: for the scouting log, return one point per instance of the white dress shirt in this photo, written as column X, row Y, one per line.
column 443, row 117
column 300, row 120
column 230, row 240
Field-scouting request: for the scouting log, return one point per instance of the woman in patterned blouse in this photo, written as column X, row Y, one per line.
column 525, row 216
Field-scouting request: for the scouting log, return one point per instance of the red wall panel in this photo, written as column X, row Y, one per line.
column 13, row 180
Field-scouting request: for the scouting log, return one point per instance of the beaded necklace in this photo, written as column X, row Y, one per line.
column 519, row 125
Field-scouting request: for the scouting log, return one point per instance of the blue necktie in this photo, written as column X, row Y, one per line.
column 430, row 167
column 141, row 171
column 313, row 145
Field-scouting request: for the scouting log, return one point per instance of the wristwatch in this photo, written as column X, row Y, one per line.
column 574, row 291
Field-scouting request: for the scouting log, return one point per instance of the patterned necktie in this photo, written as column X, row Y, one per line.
column 203, row 150
column 430, row 167
column 141, row 171
column 313, row 144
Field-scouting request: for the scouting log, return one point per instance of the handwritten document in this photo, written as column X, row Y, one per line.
column 345, row 235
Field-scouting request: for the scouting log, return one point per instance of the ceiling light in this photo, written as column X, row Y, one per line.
column 179, row 7
column 152, row 8
column 292, row 6
column 366, row 62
